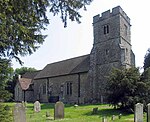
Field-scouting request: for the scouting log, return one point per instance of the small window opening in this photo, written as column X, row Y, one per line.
column 106, row 29
column 126, row 29
column 44, row 88
column 107, row 51
column 126, row 51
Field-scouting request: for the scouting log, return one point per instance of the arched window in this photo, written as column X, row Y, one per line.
column 44, row 88
column 107, row 51
column 69, row 88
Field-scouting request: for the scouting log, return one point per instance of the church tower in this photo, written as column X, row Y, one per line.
column 111, row 48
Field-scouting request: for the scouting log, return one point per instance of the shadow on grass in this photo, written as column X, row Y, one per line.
column 51, row 105
column 43, row 105
column 107, row 112
column 46, row 106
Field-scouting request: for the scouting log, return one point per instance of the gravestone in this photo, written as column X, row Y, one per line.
column 47, row 114
column 148, row 112
column 24, row 104
column 37, row 106
column 138, row 112
column 95, row 110
column 120, row 115
column 104, row 119
column 19, row 113
column 59, row 110
column 113, row 117
column 75, row 106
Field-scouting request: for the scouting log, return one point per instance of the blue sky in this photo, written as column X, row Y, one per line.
column 77, row 39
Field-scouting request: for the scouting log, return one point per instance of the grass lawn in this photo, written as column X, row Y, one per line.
column 81, row 113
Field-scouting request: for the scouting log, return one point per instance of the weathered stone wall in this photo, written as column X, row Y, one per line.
column 29, row 96
column 112, row 48
column 57, row 82
column 18, row 93
column 84, row 88
column 38, row 90
column 57, row 86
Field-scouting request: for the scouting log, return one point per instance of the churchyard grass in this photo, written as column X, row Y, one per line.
column 81, row 113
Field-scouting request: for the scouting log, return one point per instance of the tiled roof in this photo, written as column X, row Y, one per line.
column 30, row 75
column 26, row 79
column 66, row 67
column 24, row 83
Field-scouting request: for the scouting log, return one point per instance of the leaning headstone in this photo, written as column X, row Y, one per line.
column 19, row 113
column 138, row 112
column 37, row 106
column 104, row 119
column 148, row 112
column 59, row 110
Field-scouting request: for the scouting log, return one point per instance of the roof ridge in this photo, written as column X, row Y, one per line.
column 79, row 64
column 61, row 67
column 68, row 59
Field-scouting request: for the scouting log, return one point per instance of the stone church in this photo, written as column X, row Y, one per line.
column 83, row 79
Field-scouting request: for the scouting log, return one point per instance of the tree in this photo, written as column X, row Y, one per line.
column 5, row 113
column 6, row 73
column 125, row 88
column 21, row 23
column 23, row 70
column 145, row 77
column 147, row 59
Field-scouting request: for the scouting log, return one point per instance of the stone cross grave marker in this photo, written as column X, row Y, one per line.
column 37, row 106
column 138, row 113
column 59, row 110
column 148, row 112
column 19, row 113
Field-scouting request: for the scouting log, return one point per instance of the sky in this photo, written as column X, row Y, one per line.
column 77, row 39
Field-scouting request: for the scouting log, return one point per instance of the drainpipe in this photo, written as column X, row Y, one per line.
column 78, row 87
column 24, row 98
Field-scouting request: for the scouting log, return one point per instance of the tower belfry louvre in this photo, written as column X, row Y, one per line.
column 84, row 79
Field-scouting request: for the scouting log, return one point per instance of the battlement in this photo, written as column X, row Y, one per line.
column 108, row 14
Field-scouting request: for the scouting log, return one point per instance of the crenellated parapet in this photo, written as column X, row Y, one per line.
column 107, row 14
